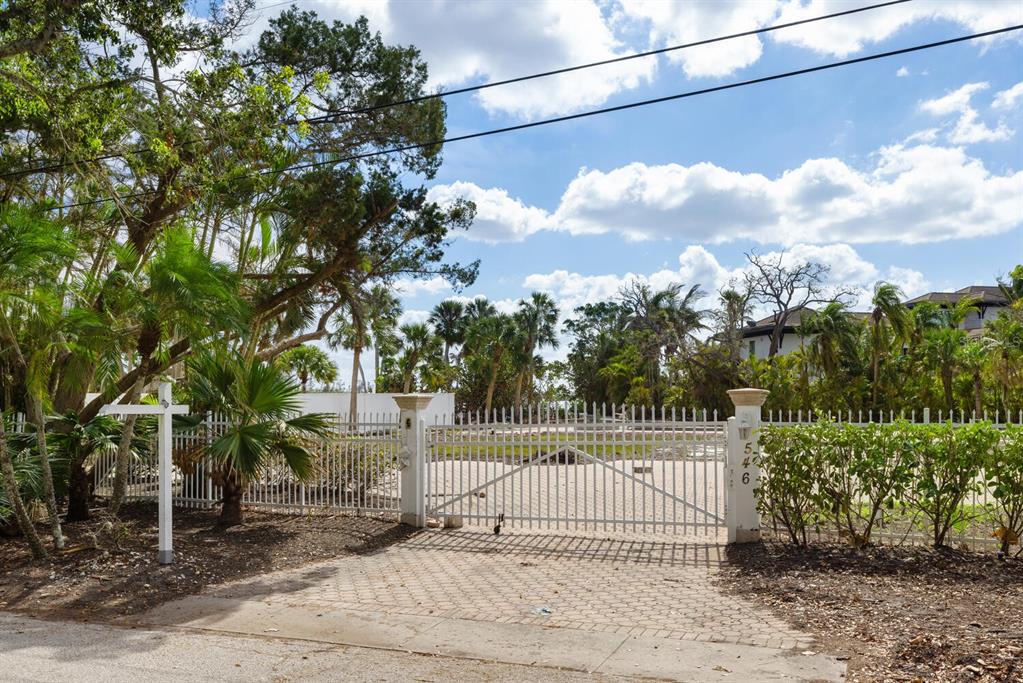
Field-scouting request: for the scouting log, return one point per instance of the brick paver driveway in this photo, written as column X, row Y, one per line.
column 650, row 586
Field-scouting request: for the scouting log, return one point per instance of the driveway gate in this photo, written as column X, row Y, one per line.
column 625, row 470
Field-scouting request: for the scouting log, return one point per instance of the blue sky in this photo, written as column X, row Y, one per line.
column 907, row 169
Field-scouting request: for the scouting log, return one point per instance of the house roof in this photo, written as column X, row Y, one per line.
column 765, row 325
column 986, row 295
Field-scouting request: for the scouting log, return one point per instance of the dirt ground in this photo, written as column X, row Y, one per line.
column 895, row 614
column 109, row 568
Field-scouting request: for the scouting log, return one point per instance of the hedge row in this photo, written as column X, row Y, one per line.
column 848, row 478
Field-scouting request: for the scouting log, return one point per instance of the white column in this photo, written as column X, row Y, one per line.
column 742, row 474
column 166, row 555
column 412, row 458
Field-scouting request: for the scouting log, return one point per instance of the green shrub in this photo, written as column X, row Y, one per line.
column 789, row 492
column 864, row 470
column 949, row 464
column 845, row 477
column 1003, row 474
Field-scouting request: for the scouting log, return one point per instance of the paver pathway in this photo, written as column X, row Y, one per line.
column 627, row 606
column 637, row 585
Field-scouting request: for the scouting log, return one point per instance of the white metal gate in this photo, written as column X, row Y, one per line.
column 600, row 469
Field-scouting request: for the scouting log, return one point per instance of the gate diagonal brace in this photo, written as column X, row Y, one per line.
column 586, row 456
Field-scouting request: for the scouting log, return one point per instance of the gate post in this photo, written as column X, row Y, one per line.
column 743, row 475
column 412, row 458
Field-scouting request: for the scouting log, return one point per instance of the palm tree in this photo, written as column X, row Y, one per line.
column 833, row 336
column 448, row 323
column 663, row 321
column 260, row 404
column 735, row 309
column 972, row 356
column 889, row 324
column 1003, row 337
column 953, row 316
column 419, row 345
column 383, row 309
column 1012, row 289
column 537, row 320
column 941, row 347
column 479, row 308
column 487, row 340
column 32, row 250
column 309, row 362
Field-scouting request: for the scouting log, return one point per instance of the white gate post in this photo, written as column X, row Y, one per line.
column 412, row 458
column 743, row 476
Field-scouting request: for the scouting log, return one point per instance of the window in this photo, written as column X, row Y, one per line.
column 753, row 348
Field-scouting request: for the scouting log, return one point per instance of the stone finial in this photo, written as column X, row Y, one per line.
column 748, row 397
column 413, row 401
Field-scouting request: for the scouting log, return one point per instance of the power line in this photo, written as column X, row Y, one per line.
column 614, row 60
column 333, row 115
column 608, row 110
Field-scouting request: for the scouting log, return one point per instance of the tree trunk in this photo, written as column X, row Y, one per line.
column 231, row 510
column 304, row 376
column 777, row 334
column 353, row 405
column 376, row 369
column 978, row 394
column 490, row 387
column 78, row 492
column 518, row 390
column 124, row 452
column 35, row 409
column 10, row 484
column 946, row 384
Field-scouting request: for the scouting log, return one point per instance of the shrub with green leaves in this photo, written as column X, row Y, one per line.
column 1003, row 474
column 846, row 477
column 949, row 464
column 863, row 471
column 789, row 492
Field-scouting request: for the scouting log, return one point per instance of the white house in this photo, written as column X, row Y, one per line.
column 756, row 336
column 990, row 302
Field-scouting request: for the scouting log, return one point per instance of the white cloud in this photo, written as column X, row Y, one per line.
column 848, row 270
column 902, row 72
column 968, row 128
column 1007, row 99
column 846, row 35
column 499, row 217
column 954, row 102
column 927, row 135
column 413, row 316
column 685, row 22
column 408, row 287
column 912, row 194
column 465, row 42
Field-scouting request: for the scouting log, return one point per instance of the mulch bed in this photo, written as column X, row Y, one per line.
column 895, row 614
column 109, row 567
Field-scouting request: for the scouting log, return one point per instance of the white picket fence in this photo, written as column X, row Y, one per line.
column 595, row 468
column 354, row 470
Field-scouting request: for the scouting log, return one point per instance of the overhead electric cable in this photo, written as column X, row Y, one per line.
column 52, row 165
column 608, row 110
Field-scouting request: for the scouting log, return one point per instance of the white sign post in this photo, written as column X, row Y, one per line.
column 164, row 411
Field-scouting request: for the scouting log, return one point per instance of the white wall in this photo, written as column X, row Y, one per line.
column 373, row 406
column 762, row 345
